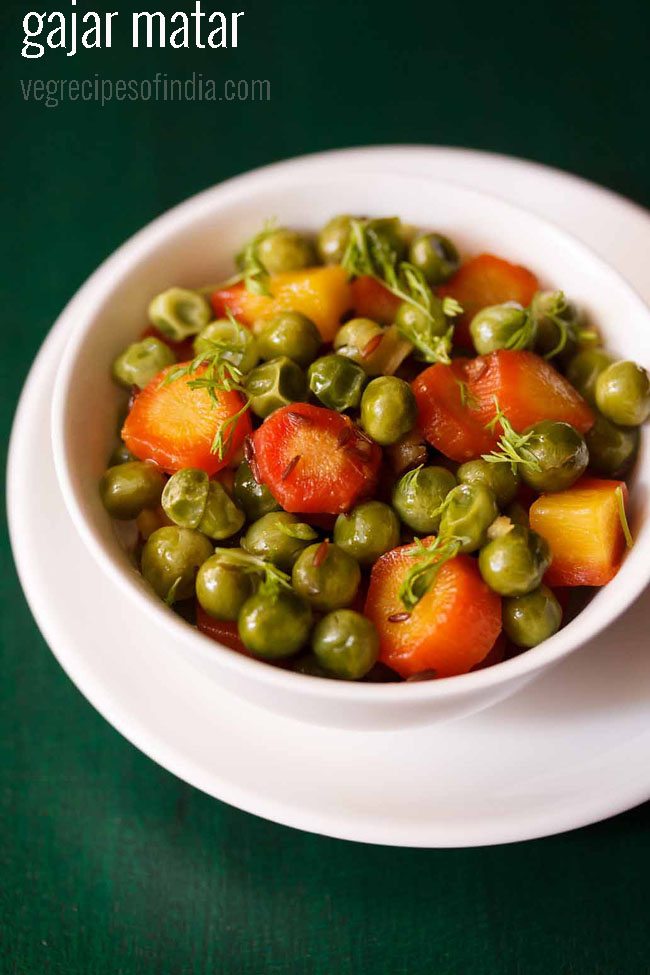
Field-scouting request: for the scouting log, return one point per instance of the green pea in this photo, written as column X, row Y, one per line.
column 288, row 334
column 469, row 510
column 346, row 644
column 179, row 313
column 121, row 455
column 127, row 489
column 221, row 516
column 623, row 393
column 388, row 409
column 171, row 558
column 337, row 382
column 141, row 362
column 185, row 497
column 557, row 455
column 514, row 563
column 333, row 239
column 418, row 495
column 612, row 449
column 326, row 576
column 506, row 326
column 355, row 340
column 276, row 624
column 530, row 619
column 557, row 324
column 499, row 478
column 234, row 341
column 223, row 585
column 192, row 500
column 413, row 321
column 436, row 256
column 278, row 537
column 274, row 384
column 584, row 369
column 285, row 250
column 254, row 498
column 368, row 531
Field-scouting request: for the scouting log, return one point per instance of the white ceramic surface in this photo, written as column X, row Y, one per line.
column 193, row 244
column 568, row 750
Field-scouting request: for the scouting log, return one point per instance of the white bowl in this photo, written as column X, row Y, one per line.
column 193, row 244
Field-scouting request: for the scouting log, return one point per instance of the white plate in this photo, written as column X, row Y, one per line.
column 571, row 749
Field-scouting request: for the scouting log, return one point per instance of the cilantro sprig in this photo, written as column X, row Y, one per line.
column 253, row 273
column 423, row 573
column 512, row 447
column 273, row 580
column 558, row 309
column 369, row 253
column 213, row 371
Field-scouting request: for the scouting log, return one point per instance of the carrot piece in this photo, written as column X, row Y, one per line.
column 321, row 293
column 529, row 389
column 315, row 460
column 450, row 417
column 370, row 299
column 175, row 426
column 223, row 631
column 457, row 401
column 452, row 628
column 487, row 280
column 583, row 527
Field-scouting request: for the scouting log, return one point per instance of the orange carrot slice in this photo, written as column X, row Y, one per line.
column 583, row 526
column 321, row 293
column 450, row 630
column 174, row 425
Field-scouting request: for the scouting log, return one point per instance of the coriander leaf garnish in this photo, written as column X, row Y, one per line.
column 467, row 398
column 217, row 374
column 558, row 310
column 625, row 525
column 523, row 337
column 409, row 478
column 273, row 579
column 173, row 589
column 368, row 253
column 430, row 559
column 557, row 307
column 512, row 447
column 253, row 272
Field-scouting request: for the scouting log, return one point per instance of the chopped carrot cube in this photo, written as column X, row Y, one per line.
column 584, row 529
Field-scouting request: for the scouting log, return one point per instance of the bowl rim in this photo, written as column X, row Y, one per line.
column 635, row 570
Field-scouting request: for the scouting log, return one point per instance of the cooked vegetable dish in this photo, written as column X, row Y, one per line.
column 364, row 458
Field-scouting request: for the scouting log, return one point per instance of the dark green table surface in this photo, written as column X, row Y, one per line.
column 108, row 864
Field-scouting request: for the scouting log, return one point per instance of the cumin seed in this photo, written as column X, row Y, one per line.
column 371, row 346
column 251, row 459
column 289, row 469
column 399, row 617
column 321, row 553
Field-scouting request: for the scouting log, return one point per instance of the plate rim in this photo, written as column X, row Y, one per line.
column 238, row 797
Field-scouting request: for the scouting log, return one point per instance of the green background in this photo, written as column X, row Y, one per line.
column 108, row 864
